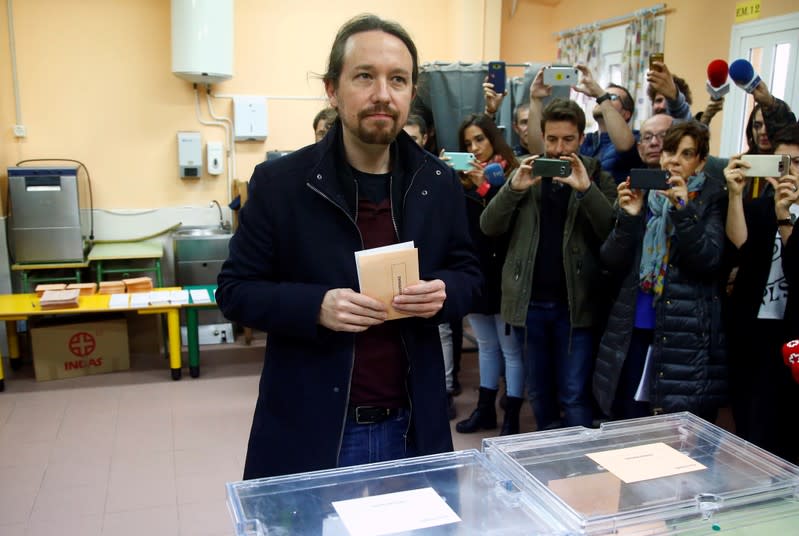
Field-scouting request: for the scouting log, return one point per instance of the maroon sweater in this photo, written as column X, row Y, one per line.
column 381, row 368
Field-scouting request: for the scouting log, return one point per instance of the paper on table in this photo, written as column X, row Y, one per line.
column 141, row 299
column 395, row 512
column 159, row 297
column 645, row 462
column 383, row 272
column 119, row 300
column 642, row 393
column 200, row 295
column 179, row 297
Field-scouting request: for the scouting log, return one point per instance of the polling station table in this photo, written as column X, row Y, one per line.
column 14, row 307
column 192, row 324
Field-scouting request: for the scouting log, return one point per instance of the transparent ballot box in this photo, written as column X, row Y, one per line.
column 445, row 494
column 668, row 474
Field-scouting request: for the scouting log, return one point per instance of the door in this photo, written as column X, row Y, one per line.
column 771, row 46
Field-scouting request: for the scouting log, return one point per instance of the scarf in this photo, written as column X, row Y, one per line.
column 497, row 158
column 657, row 237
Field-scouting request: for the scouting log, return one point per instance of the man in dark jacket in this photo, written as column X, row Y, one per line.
column 341, row 385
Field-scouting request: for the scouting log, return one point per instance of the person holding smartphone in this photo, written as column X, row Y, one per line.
column 763, row 307
column 663, row 349
column 550, row 278
column 498, row 348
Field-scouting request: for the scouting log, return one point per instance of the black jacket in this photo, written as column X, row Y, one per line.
column 753, row 260
column 689, row 370
column 491, row 251
column 296, row 240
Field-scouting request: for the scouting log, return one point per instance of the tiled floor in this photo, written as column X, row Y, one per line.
column 134, row 453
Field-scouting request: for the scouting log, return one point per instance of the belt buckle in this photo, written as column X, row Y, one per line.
column 358, row 416
column 371, row 419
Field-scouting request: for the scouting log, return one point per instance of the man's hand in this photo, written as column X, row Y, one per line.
column 493, row 99
column 538, row 89
column 424, row 299
column 578, row 179
column 344, row 309
column 523, row 178
column 661, row 81
column 588, row 86
column 713, row 107
column 735, row 175
column 631, row 201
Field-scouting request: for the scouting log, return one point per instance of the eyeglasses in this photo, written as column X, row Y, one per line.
column 649, row 138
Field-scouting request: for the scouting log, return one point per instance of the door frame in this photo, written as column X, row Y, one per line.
column 735, row 105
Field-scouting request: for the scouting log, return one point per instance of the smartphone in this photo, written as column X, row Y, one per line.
column 561, row 76
column 767, row 165
column 551, row 167
column 460, row 161
column 496, row 75
column 655, row 56
column 649, row 179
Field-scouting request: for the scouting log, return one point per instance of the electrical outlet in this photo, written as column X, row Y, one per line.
column 20, row 131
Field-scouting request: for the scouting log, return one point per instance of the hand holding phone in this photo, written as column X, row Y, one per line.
column 497, row 76
column 649, row 179
column 561, row 76
column 767, row 165
column 655, row 57
column 459, row 161
column 551, row 167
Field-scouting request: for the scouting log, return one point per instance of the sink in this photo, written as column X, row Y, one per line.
column 207, row 243
column 189, row 232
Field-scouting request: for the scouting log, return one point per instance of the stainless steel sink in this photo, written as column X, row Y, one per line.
column 200, row 252
column 189, row 232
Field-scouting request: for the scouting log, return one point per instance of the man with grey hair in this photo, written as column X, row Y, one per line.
column 341, row 384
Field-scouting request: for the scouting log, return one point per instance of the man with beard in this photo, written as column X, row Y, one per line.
column 341, row 385
column 550, row 279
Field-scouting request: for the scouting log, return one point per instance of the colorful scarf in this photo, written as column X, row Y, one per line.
column 497, row 158
column 657, row 238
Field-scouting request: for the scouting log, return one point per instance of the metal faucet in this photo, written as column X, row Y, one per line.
column 222, row 224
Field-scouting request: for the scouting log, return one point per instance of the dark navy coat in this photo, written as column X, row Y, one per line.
column 296, row 240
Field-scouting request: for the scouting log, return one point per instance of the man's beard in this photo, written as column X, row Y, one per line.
column 378, row 134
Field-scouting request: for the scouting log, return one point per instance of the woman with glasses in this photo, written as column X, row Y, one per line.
column 663, row 349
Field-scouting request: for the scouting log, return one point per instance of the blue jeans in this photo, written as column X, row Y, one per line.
column 559, row 366
column 379, row 442
column 496, row 348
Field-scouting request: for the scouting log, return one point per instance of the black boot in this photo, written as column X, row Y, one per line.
column 484, row 417
column 510, row 424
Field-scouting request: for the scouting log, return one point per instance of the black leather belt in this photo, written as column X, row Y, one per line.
column 371, row 414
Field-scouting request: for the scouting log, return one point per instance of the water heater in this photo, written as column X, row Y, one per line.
column 202, row 40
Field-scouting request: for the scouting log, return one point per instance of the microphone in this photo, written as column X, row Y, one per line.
column 790, row 356
column 744, row 75
column 717, row 84
column 494, row 174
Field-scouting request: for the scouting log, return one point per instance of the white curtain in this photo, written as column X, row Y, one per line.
column 582, row 47
column 640, row 42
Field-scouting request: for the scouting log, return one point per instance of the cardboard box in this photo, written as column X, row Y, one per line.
column 80, row 349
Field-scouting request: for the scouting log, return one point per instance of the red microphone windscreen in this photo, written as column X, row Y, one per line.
column 717, row 73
